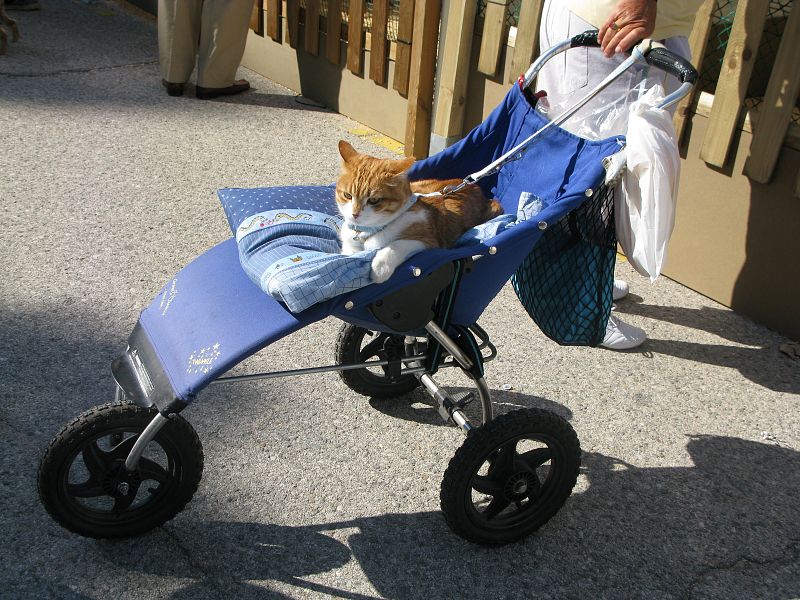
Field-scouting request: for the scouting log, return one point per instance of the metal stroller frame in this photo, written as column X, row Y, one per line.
column 419, row 309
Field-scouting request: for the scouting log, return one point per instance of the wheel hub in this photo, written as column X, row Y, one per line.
column 119, row 482
column 518, row 486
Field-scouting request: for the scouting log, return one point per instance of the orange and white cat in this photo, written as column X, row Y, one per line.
column 382, row 210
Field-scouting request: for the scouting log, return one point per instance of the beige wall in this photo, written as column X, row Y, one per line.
column 314, row 77
column 738, row 241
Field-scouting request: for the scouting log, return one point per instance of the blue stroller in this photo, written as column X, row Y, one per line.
column 123, row 468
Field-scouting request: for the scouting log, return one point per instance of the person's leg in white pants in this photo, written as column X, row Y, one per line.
column 567, row 78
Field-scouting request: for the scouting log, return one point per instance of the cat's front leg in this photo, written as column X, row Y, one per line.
column 387, row 259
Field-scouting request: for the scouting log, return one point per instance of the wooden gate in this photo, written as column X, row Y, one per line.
column 375, row 59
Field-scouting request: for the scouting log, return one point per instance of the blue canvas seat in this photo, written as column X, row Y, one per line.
column 211, row 316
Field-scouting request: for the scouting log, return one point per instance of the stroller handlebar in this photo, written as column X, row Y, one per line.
column 647, row 51
column 654, row 54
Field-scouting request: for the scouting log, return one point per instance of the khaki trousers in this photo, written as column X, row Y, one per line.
column 212, row 31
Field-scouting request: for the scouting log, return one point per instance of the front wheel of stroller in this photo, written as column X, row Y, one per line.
column 510, row 477
column 85, row 487
column 357, row 345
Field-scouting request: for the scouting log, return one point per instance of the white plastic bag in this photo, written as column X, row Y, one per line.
column 645, row 210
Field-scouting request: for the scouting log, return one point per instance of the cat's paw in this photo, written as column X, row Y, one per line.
column 383, row 265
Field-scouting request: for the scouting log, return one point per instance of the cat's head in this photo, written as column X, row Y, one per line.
column 371, row 190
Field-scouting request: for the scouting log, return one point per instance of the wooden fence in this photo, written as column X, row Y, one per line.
column 770, row 123
column 350, row 23
column 424, row 38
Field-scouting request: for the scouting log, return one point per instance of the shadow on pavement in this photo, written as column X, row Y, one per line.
column 419, row 407
column 729, row 526
column 761, row 362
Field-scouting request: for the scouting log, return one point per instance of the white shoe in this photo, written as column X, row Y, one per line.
column 620, row 289
column 621, row 336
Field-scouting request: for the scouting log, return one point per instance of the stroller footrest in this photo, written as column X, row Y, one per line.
column 139, row 373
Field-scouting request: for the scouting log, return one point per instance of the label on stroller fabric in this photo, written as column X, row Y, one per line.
column 284, row 216
column 292, row 260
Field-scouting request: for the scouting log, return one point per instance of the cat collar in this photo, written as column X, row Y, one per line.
column 364, row 232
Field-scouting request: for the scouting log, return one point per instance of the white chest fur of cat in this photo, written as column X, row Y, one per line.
column 384, row 232
column 384, row 212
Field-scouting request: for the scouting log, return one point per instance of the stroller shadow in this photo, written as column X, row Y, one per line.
column 419, row 407
column 720, row 528
column 761, row 362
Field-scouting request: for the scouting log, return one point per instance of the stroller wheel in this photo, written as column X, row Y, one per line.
column 510, row 476
column 355, row 345
column 85, row 487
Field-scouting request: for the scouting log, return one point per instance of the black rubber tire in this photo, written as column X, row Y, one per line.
column 363, row 381
column 176, row 442
column 548, row 429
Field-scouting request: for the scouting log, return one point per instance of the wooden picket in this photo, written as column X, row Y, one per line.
column 312, row 27
column 355, row 36
column 379, row 45
column 495, row 36
column 273, row 19
column 526, row 44
column 420, row 87
column 737, row 67
column 775, row 113
column 257, row 17
column 455, row 71
column 333, row 31
column 698, row 42
column 293, row 23
column 402, row 61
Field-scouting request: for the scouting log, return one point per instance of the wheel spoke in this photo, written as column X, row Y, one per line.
column 123, row 448
column 97, row 462
column 88, row 489
column 496, row 506
column 533, row 459
column 149, row 469
column 486, row 485
column 502, row 463
column 373, row 349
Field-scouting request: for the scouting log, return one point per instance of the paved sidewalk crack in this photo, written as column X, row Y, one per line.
column 790, row 554
column 83, row 70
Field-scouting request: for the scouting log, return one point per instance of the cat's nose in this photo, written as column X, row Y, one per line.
column 355, row 214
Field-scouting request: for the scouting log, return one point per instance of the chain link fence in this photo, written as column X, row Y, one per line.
column 394, row 15
column 721, row 23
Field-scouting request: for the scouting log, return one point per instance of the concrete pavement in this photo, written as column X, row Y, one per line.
column 107, row 187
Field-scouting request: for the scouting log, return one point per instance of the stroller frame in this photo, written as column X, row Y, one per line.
column 420, row 309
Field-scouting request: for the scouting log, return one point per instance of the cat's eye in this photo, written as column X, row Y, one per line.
column 347, row 195
column 373, row 201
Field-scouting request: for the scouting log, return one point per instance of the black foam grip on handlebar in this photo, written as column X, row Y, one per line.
column 658, row 57
column 586, row 39
column 673, row 64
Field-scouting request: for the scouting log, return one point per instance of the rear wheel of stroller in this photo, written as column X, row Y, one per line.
column 85, row 487
column 510, row 477
column 356, row 345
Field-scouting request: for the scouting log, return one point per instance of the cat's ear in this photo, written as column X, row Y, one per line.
column 346, row 151
column 402, row 165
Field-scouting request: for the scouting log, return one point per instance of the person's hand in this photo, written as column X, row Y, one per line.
column 631, row 21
